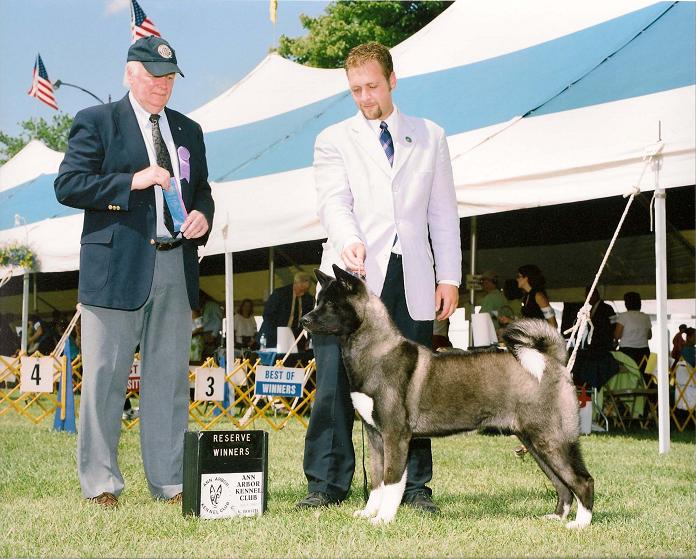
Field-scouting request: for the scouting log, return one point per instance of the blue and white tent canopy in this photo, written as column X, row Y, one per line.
column 544, row 102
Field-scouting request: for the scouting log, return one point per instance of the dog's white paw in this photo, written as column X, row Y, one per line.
column 582, row 518
column 379, row 519
column 364, row 513
column 554, row 516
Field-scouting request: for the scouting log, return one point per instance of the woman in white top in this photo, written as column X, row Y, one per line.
column 633, row 330
column 245, row 325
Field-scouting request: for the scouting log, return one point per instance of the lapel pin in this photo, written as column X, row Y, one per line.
column 408, row 139
column 178, row 128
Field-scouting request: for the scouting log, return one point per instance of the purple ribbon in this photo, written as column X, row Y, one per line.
column 184, row 167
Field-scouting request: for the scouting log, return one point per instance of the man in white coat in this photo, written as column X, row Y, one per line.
column 386, row 199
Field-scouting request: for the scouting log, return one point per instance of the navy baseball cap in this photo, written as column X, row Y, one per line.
column 156, row 54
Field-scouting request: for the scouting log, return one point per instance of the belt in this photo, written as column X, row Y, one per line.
column 167, row 245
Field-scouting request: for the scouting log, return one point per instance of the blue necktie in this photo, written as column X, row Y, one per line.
column 385, row 139
column 387, row 144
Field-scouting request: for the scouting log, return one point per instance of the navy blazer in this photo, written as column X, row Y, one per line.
column 117, row 256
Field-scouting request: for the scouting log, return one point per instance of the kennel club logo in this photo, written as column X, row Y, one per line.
column 231, row 494
column 216, row 496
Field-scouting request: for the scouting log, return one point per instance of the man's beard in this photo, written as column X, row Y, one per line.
column 377, row 113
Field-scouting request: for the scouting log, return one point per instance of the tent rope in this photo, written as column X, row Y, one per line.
column 583, row 319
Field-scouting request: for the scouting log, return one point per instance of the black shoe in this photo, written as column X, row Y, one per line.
column 421, row 500
column 317, row 499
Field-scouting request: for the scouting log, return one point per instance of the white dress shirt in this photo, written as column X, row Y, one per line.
column 143, row 118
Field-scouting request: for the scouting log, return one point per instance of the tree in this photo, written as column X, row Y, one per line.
column 54, row 134
column 348, row 23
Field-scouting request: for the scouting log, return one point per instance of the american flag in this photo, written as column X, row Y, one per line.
column 141, row 25
column 41, row 86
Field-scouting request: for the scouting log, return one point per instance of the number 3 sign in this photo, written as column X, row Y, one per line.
column 36, row 375
column 210, row 384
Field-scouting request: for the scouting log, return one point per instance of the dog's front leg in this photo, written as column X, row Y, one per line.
column 376, row 473
column 395, row 456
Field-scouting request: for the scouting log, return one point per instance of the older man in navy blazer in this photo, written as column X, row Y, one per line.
column 138, row 268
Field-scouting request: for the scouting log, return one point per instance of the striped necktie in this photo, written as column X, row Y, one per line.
column 164, row 161
column 385, row 139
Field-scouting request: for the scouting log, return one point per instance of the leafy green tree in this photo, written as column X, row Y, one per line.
column 348, row 23
column 54, row 134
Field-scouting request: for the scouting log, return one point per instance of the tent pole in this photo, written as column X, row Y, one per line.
column 229, row 313
column 472, row 271
column 271, row 269
column 25, row 311
column 661, row 296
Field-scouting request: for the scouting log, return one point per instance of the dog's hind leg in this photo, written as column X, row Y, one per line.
column 395, row 456
column 584, row 491
column 376, row 474
column 566, row 461
column 564, row 496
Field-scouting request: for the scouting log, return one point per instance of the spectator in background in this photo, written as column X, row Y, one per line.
column 633, row 330
column 678, row 342
column 9, row 340
column 494, row 300
column 211, row 324
column 245, row 325
column 688, row 352
column 535, row 302
column 513, row 310
column 197, row 342
column 285, row 306
column 43, row 336
column 594, row 364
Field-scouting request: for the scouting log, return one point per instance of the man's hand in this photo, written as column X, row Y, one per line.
column 195, row 225
column 446, row 299
column 354, row 258
column 149, row 176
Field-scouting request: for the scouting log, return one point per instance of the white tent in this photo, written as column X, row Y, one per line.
column 543, row 103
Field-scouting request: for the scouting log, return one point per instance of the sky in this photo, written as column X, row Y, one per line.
column 85, row 42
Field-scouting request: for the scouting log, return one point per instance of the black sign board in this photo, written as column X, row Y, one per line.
column 225, row 473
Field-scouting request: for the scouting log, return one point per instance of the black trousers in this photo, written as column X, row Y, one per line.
column 329, row 457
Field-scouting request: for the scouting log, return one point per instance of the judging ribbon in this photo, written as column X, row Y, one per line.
column 175, row 203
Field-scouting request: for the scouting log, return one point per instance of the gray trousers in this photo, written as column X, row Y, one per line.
column 162, row 327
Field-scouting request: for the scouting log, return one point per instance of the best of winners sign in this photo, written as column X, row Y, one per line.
column 225, row 473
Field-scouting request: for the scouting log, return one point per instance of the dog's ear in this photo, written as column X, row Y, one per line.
column 323, row 278
column 347, row 280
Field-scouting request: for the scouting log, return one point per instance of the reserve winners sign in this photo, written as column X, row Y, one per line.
column 225, row 473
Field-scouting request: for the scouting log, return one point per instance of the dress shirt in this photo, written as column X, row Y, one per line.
column 143, row 118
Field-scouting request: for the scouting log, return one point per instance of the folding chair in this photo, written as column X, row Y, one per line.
column 625, row 395
column 684, row 380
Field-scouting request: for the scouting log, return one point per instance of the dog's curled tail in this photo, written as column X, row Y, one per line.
column 532, row 341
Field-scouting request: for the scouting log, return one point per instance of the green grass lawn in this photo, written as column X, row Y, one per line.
column 491, row 505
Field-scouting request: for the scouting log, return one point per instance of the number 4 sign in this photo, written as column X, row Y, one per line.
column 210, row 384
column 36, row 374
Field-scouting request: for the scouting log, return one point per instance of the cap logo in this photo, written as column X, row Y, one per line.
column 164, row 51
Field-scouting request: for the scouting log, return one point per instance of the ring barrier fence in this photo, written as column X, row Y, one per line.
column 34, row 387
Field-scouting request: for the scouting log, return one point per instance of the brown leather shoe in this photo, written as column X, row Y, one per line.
column 106, row 500
column 176, row 499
